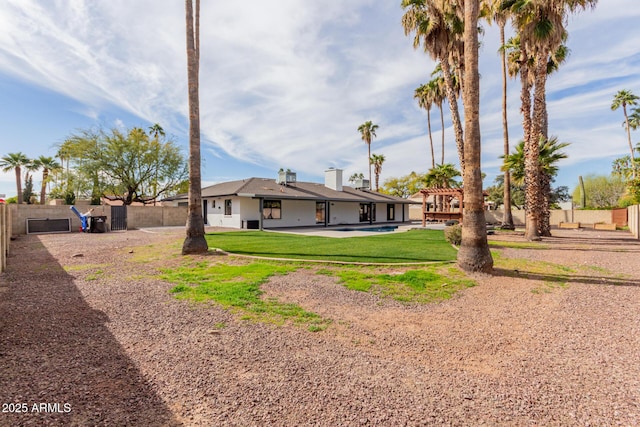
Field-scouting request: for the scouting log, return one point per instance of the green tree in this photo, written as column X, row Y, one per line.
column 368, row 131
column 438, row 28
column 624, row 98
column 127, row 166
column 377, row 160
column 474, row 254
column 404, row 186
column 194, row 241
column 355, row 177
column 601, row 191
column 15, row 162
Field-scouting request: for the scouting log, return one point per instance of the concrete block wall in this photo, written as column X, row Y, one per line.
column 137, row 216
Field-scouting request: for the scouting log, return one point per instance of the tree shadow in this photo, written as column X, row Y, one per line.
column 566, row 278
column 58, row 357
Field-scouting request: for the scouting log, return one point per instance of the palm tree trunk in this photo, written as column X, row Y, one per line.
column 532, row 154
column 455, row 114
column 195, row 241
column 43, row 187
column 19, row 184
column 633, row 159
column 474, row 254
column 369, row 158
column 433, row 159
column 442, row 127
column 507, row 218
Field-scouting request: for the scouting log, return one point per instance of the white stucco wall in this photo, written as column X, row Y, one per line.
column 216, row 216
column 294, row 213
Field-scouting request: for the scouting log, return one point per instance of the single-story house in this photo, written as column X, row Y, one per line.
column 257, row 203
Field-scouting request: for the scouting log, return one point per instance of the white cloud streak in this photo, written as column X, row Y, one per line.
column 287, row 83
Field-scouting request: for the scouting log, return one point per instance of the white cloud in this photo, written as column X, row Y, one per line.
column 287, row 83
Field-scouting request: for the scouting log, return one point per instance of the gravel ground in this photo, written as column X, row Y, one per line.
column 86, row 331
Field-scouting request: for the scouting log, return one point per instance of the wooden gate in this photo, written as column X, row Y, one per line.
column 118, row 218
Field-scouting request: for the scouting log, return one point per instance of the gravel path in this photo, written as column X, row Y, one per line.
column 85, row 329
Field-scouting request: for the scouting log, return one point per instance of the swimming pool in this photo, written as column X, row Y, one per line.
column 379, row 229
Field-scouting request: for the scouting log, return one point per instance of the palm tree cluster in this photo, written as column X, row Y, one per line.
column 443, row 29
column 538, row 50
column 19, row 162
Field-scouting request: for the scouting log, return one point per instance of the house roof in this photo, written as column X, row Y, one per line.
column 269, row 188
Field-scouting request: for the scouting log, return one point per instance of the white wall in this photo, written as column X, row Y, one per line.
column 344, row 213
column 294, row 213
column 216, row 216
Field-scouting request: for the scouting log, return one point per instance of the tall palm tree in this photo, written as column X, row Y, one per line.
column 474, row 254
column 622, row 99
column 195, row 241
column 493, row 12
column 48, row 165
column 15, row 162
column 156, row 131
column 438, row 29
column 424, row 95
column 367, row 131
column 438, row 91
column 377, row 160
column 541, row 28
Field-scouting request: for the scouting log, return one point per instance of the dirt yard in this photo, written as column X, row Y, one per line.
column 89, row 337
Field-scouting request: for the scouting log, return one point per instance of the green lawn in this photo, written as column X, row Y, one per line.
column 407, row 247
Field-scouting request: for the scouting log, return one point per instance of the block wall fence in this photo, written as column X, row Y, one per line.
column 137, row 216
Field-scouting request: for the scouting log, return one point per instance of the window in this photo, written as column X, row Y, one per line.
column 320, row 212
column 227, row 207
column 391, row 212
column 272, row 209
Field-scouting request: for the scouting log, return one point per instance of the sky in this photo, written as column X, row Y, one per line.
column 285, row 84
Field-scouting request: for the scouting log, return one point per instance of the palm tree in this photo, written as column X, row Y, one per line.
column 367, row 131
column 442, row 176
column 47, row 164
column 549, row 155
column 474, row 254
column 622, row 99
column 634, row 120
column 438, row 93
column 156, row 131
column 424, row 95
column 195, row 241
column 438, row 28
column 15, row 161
column 541, row 29
column 493, row 12
column 377, row 160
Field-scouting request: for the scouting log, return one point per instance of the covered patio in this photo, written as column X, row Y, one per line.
column 442, row 210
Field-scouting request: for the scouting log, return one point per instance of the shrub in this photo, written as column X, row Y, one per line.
column 453, row 234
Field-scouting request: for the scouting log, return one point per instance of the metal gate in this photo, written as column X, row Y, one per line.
column 118, row 218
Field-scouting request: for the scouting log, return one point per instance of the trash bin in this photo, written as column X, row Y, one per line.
column 98, row 224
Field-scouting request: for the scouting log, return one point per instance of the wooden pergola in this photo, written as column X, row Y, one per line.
column 443, row 211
